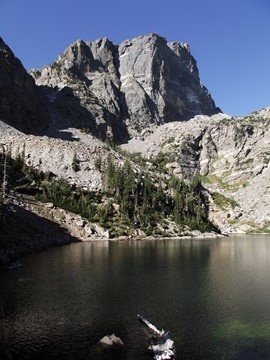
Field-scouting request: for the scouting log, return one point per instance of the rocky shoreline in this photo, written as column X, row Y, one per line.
column 34, row 227
column 33, row 233
column 12, row 255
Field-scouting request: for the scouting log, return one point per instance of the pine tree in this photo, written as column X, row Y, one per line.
column 75, row 163
column 98, row 163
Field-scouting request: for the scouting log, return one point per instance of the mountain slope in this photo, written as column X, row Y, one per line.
column 232, row 157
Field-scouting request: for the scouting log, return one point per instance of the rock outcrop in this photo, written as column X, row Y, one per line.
column 20, row 103
column 82, row 90
column 116, row 92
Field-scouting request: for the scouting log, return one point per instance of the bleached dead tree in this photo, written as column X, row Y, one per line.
column 4, row 184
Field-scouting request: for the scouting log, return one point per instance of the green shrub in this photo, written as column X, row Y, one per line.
column 224, row 202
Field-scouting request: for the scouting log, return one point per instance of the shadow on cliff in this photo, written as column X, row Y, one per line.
column 24, row 232
column 67, row 111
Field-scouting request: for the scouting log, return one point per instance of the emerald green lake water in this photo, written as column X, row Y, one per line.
column 213, row 295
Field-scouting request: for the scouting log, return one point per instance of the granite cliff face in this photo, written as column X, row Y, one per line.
column 161, row 82
column 82, row 89
column 20, row 103
column 118, row 91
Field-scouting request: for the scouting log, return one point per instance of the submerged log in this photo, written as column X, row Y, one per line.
column 160, row 343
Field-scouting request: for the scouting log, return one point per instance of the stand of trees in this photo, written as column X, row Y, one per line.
column 130, row 199
column 145, row 200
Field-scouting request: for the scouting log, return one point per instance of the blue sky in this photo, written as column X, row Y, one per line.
column 230, row 39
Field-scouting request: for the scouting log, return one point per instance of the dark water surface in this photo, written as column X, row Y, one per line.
column 213, row 295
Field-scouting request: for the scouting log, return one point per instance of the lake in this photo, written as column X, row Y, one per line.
column 213, row 295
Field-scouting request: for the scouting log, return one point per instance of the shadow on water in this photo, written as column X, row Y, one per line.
column 25, row 232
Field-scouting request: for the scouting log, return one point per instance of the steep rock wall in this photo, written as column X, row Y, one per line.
column 20, row 102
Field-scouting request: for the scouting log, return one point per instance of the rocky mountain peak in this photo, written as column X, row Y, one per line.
column 166, row 78
column 77, row 55
column 182, row 50
column 149, row 40
column 141, row 83
column 89, row 56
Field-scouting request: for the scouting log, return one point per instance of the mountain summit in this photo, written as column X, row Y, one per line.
column 118, row 91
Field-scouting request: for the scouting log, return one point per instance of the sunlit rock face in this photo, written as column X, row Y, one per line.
column 161, row 82
column 121, row 90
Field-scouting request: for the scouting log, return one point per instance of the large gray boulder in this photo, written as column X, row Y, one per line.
column 111, row 341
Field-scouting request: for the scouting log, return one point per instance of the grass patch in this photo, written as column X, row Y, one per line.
column 265, row 229
column 224, row 202
column 214, row 179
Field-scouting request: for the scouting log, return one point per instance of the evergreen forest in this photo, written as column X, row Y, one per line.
column 131, row 198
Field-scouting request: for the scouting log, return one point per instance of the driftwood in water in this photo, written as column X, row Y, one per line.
column 160, row 343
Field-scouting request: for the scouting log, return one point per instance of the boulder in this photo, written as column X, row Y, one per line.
column 111, row 341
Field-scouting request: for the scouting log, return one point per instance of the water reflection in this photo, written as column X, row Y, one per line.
column 212, row 294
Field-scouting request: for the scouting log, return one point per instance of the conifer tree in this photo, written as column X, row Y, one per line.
column 75, row 163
